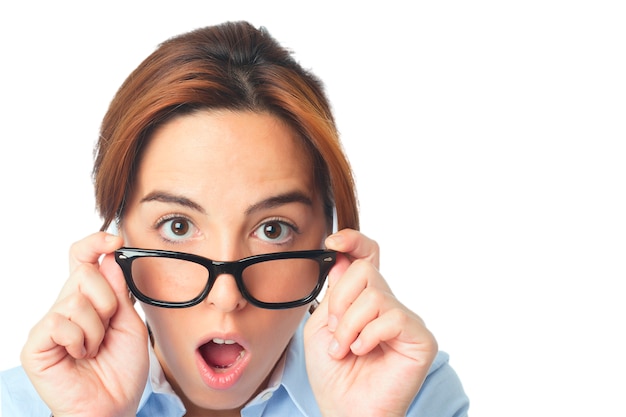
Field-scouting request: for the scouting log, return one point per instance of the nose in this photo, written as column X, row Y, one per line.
column 225, row 295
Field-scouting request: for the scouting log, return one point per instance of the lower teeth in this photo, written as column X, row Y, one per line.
column 220, row 367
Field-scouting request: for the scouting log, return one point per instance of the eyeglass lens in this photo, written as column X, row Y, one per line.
column 272, row 281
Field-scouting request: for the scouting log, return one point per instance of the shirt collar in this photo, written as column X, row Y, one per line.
column 157, row 385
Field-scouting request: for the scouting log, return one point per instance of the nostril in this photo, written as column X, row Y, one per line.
column 225, row 294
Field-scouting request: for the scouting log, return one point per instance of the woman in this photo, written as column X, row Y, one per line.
column 220, row 167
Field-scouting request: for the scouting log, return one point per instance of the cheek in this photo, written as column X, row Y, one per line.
column 168, row 332
column 276, row 329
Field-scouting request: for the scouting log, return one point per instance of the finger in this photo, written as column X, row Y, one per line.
column 355, row 244
column 87, row 281
column 88, row 299
column 86, row 277
column 355, row 270
column 115, row 279
column 70, row 335
column 52, row 331
column 90, row 249
column 344, row 291
column 342, row 263
column 78, row 310
column 401, row 330
column 367, row 307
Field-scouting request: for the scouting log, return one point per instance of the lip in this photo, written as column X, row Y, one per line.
column 222, row 379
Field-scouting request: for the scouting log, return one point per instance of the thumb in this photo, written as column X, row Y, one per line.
column 115, row 277
column 126, row 319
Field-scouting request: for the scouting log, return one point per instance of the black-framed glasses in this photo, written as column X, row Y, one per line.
column 176, row 280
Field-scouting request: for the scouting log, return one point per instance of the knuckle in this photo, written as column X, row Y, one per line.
column 375, row 246
column 50, row 324
column 373, row 296
column 363, row 266
column 83, row 271
column 75, row 302
column 75, row 248
column 399, row 316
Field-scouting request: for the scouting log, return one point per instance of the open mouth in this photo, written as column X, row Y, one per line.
column 221, row 354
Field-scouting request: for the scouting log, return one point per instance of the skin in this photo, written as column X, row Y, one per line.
column 218, row 180
column 229, row 208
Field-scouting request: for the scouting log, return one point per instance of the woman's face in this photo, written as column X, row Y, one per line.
column 224, row 185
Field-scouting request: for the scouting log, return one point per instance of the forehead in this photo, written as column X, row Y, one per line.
column 214, row 150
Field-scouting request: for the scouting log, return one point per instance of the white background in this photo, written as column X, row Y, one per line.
column 488, row 141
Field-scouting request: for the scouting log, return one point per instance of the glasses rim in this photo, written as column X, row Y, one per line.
column 125, row 256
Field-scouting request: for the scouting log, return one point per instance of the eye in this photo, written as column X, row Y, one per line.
column 275, row 231
column 176, row 229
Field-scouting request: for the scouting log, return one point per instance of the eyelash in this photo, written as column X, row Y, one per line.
column 163, row 220
column 175, row 216
column 282, row 222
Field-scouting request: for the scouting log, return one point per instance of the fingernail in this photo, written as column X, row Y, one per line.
column 332, row 323
column 109, row 237
column 334, row 239
column 356, row 345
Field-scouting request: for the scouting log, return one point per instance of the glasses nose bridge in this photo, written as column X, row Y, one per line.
column 229, row 268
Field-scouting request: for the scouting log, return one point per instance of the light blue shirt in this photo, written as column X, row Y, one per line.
column 288, row 392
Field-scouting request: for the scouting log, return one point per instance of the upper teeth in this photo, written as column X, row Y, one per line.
column 219, row 341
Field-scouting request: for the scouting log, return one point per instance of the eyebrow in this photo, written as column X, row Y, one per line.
column 279, row 200
column 165, row 197
column 268, row 203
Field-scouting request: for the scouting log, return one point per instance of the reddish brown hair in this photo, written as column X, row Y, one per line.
column 229, row 66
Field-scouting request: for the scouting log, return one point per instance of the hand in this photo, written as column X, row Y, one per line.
column 366, row 353
column 88, row 355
